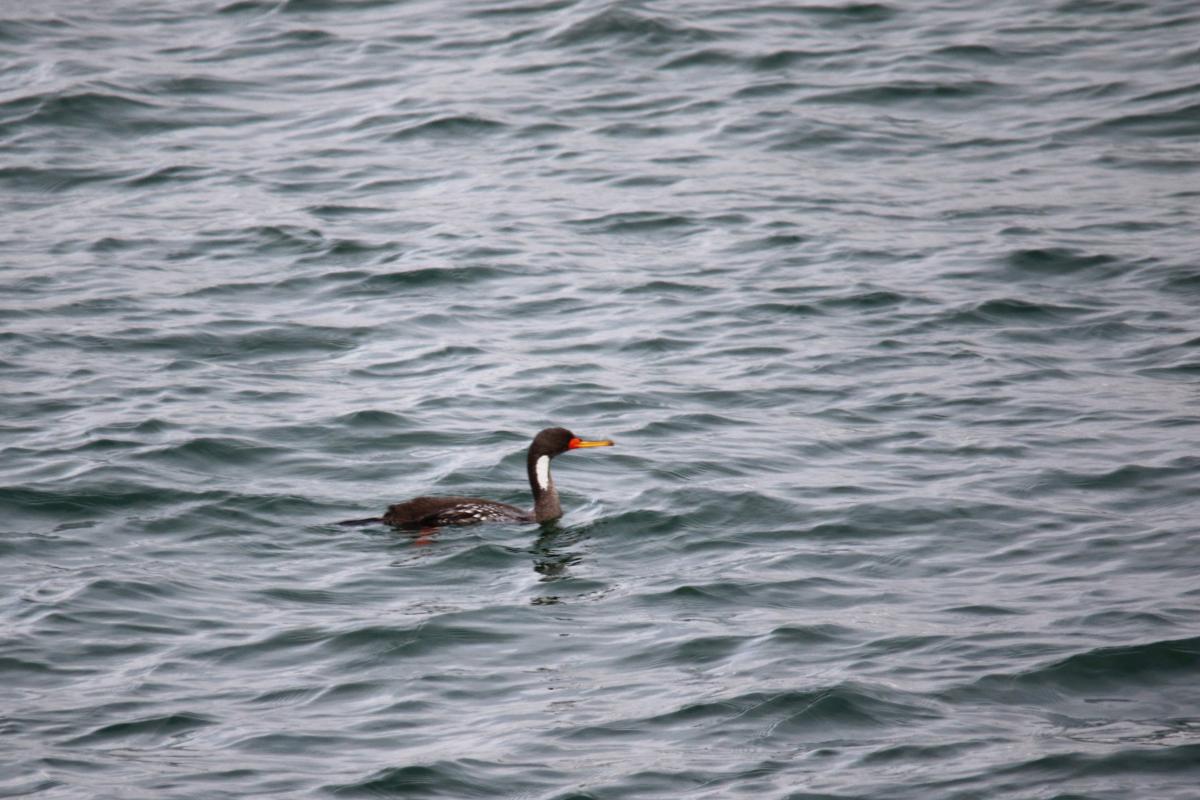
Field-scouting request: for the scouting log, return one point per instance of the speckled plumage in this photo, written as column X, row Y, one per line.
column 432, row 512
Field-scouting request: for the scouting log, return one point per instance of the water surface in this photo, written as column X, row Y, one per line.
column 890, row 308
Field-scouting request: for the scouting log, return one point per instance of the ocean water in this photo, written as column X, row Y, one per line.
column 890, row 307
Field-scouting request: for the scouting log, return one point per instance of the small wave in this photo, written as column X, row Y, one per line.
column 373, row 419
column 783, row 59
column 425, row 637
column 106, row 591
column 635, row 130
column 94, row 109
column 814, row 592
column 266, row 239
column 287, row 743
column 367, row 646
column 1183, row 122
column 252, row 340
column 775, row 241
column 161, row 176
column 708, row 57
column 616, row 24
column 381, row 283
column 464, row 778
column 784, row 715
column 342, row 210
column 116, row 113
column 154, row 731
column 299, row 6
column 870, row 299
column 767, row 89
column 850, row 13
column 452, row 126
column 665, row 287
column 1007, row 310
column 1105, row 669
column 55, row 179
column 908, row 91
column 75, row 500
column 19, row 672
column 974, row 53
column 808, row 135
column 636, row 222
column 831, row 16
column 1132, row 764
column 1061, row 261
column 214, row 452
column 1182, row 371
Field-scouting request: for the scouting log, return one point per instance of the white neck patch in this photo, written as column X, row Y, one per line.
column 542, row 470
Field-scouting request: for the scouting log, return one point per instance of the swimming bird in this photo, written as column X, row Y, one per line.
column 432, row 512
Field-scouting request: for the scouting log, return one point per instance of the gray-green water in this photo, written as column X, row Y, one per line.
column 890, row 307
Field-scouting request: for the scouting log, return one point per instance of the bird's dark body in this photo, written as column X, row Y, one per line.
column 432, row 512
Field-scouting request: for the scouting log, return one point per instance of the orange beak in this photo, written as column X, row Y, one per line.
column 577, row 442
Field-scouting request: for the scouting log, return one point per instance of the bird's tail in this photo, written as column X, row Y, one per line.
column 366, row 521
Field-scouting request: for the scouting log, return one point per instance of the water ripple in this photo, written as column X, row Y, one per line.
column 891, row 315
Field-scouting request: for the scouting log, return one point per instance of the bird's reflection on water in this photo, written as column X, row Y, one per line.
column 554, row 553
column 556, row 550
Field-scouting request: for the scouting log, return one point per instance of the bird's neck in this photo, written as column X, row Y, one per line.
column 545, row 497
